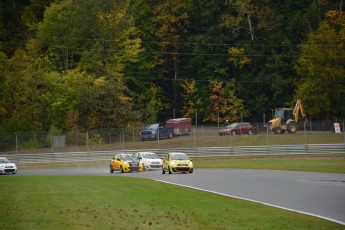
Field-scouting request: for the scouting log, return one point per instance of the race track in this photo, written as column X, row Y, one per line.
column 316, row 194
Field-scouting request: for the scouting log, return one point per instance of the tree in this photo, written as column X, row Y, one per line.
column 321, row 71
column 24, row 92
column 223, row 104
column 171, row 17
column 192, row 99
column 154, row 101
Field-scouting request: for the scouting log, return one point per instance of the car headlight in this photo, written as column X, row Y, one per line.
column 173, row 163
column 190, row 163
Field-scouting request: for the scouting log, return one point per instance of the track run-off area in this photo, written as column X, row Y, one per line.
column 317, row 194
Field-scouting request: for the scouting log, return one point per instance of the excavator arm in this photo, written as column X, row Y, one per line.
column 299, row 110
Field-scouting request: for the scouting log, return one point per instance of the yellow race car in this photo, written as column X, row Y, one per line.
column 124, row 162
column 177, row 162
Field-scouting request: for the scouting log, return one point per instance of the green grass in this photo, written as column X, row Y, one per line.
column 332, row 163
column 213, row 140
column 327, row 163
column 114, row 202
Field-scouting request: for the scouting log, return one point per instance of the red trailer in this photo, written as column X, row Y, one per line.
column 182, row 126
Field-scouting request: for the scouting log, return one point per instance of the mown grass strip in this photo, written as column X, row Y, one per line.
column 333, row 163
column 327, row 163
column 91, row 202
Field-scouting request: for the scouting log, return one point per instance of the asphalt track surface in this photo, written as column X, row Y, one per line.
column 317, row 194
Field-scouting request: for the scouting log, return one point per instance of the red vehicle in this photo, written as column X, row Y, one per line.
column 182, row 126
column 237, row 128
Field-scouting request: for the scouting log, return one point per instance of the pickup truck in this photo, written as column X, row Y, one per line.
column 155, row 131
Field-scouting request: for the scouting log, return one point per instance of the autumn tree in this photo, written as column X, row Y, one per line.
column 171, row 18
column 223, row 103
column 192, row 99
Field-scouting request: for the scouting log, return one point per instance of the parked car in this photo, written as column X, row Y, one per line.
column 177, row 162
column 124, row 162
column 7, row 167
column 237, row 128
column 149, row 160
column 155, row 130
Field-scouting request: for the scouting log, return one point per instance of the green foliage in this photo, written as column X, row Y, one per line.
column 192, row 99
column 321, row 69
column 93, row 64
column 223, row 104
column 153, row 102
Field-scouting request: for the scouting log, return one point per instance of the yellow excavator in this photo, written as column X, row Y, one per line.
column 285, row 119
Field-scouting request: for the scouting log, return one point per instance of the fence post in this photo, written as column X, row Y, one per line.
column 158, row 137
column 16, row 142
column 87, row 140
column 266, row 135
column 52, row 142
column 194, row 136
column 305, row 133
column 344, row 131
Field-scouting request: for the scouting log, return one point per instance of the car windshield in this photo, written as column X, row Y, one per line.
column 179, row 157
column 233, row 125
column 5, row 160
column 128, row 158
column 152, row 126
column 150, row 156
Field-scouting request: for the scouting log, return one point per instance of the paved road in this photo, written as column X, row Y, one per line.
column 317, row 194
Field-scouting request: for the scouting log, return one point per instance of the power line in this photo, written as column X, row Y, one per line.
column 175, row 43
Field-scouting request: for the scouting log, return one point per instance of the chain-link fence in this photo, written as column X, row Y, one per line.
column 316, row 132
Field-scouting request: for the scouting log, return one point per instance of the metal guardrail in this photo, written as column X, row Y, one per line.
column 192, row 152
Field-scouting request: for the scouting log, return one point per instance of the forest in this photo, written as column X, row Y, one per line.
column 87, row 64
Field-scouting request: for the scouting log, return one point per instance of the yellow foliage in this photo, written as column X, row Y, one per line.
column 100, row 81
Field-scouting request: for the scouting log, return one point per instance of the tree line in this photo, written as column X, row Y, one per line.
column 85, row 64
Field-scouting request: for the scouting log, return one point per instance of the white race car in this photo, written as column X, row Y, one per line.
column 7, row 167
column 149, row 160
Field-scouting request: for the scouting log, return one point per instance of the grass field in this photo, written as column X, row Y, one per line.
column 330, row 163
column 91, row 202
column 327, row 163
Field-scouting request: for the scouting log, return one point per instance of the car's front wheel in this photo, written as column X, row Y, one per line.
column 191, row 171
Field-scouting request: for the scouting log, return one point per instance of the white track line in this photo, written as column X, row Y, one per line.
column 264, row 203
